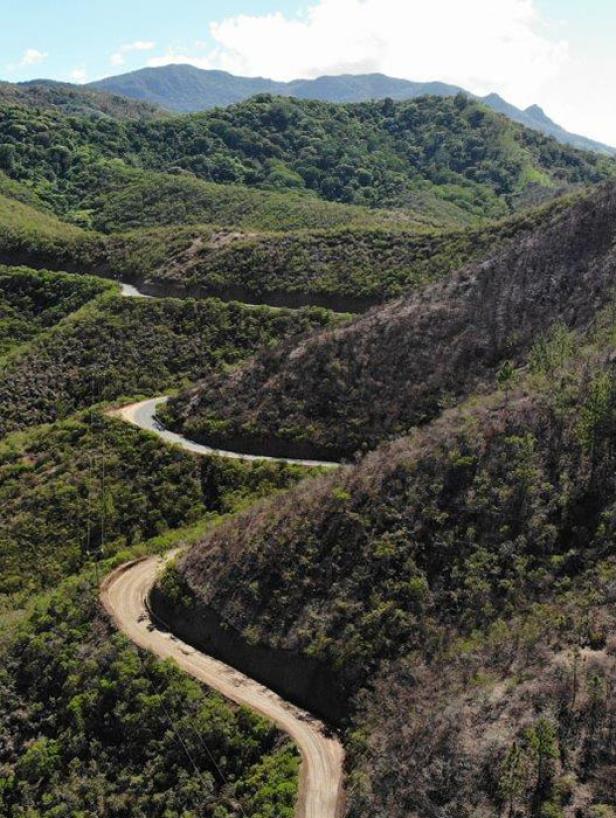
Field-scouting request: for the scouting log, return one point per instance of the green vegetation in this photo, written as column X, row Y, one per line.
column 85, row 720
column 117, row 346
column 457, row 584
column 32, row 302
column 91, row 486
column 349, row 268
column 92, row 727
column 374, row 154
column 31, row 235
column 452, row 159
column 130, row 199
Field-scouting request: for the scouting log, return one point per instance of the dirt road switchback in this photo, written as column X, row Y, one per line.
column 124, row 595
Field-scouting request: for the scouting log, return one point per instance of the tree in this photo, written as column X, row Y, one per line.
column 543, row 745
column 512, row 777
column 8, row 157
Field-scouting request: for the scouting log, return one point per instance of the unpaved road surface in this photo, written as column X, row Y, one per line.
column 130, row 291
column 143, row 415
column 321, row 792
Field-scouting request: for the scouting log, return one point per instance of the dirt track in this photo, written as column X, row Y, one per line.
column 321, row 793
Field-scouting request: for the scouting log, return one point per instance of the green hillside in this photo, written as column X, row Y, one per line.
column 379, row 154
column 406, row 155
column 117, row 346
column 128, row 199
column 30, row 234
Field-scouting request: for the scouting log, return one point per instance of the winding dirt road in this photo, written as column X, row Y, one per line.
column 124, row 595
column 143, row 415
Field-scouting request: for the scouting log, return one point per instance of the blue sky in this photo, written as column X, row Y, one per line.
column 82, row 34
column 557, row 53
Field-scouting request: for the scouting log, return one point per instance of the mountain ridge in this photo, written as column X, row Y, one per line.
column 186, row 88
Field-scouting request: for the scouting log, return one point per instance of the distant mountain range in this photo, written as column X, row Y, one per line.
column 184, row 88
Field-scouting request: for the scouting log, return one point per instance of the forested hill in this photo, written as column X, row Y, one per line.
column 75, row 100
column 415, row 155
column 458, row 585
column 188, row 89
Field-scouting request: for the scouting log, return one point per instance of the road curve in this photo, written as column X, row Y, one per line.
column 143, row 415
column 131, row 291
column 321, row 794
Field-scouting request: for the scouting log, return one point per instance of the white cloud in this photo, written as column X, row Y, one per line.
column 119, row 56
column 79, row 75
column 31, row 56
column 482, row 45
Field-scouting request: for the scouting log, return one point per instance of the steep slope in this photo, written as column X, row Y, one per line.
column 347, row 268
column 185, row 88
column 456, row 591
column 349, row 387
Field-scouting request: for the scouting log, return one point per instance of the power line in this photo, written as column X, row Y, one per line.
column 176, row 731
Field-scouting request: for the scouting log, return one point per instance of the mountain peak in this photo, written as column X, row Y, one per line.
column 538, row 114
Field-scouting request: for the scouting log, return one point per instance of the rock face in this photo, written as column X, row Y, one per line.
column 397, row 366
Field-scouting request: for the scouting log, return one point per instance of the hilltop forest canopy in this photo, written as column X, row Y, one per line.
column 379, row 154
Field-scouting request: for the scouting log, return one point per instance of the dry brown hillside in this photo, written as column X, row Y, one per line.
column 448, row 601
column 348, row 388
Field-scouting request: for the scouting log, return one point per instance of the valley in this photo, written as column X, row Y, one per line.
column 307, row 440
